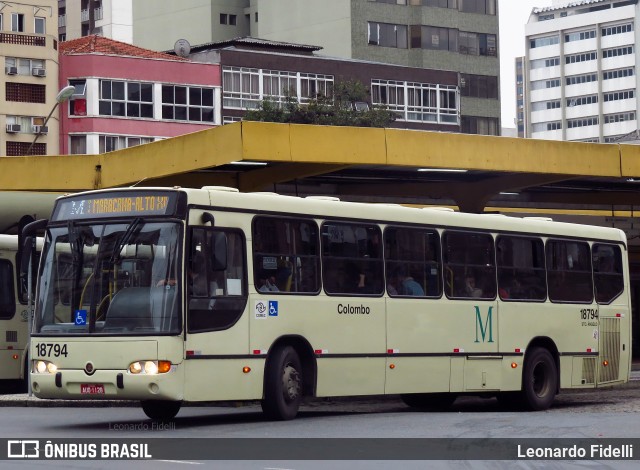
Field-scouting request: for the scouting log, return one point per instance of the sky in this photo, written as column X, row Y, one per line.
column 514, row 14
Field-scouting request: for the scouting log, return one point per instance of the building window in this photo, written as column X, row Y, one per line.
column 619, row 95
column 224, row 18
column 39, row 25
column 17, row 22
column 545, row 105
column 578, row 79
column 581, row 100
column 580, row 36
column 545, row 41
column 241, row 87
column 277, row 85
column 424, row 102
column 620, row 73
column 618, row 29
column 480, row 86
column 25, row 93
column 16, row 149
column 543, row 84
column 185, row 103
column 387, row 35
column 483, row 7
column 110, row 143
column 620, row 117
column 233, row 20
column 77, row 145
column 255, row 16
column 547, row 126
column 24, row 66
column 477, row 44
column 575, row 58
column 584, row 122
column 78, row 101
column 431, row 37
column 230, row 119
column 618, row 51
column 480, row 125
column 130, row 99
column 313, row 85
column 546, row 17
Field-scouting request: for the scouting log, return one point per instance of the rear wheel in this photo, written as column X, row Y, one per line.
column 161, row 410
column 540, row 380
column 283, row 385
column 429, row 401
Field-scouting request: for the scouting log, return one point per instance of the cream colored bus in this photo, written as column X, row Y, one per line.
column 14, row 331
column 172, row 296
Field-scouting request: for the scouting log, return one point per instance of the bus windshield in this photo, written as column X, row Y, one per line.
column 110, row 279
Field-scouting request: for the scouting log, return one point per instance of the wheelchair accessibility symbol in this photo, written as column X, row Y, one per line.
column 81, row 317
column 273, row 308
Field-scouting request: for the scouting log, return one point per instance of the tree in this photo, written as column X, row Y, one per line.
column 339, row 110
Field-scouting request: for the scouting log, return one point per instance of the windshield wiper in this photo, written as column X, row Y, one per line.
column 124, row 239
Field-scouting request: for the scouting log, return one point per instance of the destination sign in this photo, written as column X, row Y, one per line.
column 135, row 204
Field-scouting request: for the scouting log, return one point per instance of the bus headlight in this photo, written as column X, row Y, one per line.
column 44, row 367
column 149, row 367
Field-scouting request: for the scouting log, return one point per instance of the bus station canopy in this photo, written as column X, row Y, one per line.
column 380, row 165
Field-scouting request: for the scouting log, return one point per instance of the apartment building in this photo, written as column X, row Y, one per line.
column 126, row 95
column 456, row 35
column 520, row 119
column 257, row 69
column 109, row 18
column 29, row 53
column 580, row 71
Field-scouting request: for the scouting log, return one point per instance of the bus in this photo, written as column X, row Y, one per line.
column 176, row 296
column 14, row 316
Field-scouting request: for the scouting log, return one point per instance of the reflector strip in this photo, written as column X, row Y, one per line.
column 458, row 350
column 393, row 351
column 321, row 351
column 589, row 350
column 259, row 351
column 518, row 350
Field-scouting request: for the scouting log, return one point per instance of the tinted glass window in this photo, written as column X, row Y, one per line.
column 521, row 270
column 569, row 271
column 469, row 265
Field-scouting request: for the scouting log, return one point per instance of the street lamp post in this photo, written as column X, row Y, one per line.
column 63, row 95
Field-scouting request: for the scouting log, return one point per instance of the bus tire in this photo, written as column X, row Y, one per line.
column 161, row 410
column 282, row 385
column 429, row 401
column 540, row 380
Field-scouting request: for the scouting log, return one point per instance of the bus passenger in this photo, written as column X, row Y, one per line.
column 470, row 289
column 407, row 284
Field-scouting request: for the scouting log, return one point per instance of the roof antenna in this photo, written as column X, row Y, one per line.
column 136, row 184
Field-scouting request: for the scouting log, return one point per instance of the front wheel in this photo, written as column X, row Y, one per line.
column 540, row 380
column 283, row 385
column 161, row 410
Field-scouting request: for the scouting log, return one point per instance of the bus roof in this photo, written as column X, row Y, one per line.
column 324, row 206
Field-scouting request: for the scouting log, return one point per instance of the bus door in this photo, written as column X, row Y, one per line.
column 216, row 327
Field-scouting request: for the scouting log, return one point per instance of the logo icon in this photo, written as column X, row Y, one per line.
column 23, row 449
column 273, row 308
column 81, row 317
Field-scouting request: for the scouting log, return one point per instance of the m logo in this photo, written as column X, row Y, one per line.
column 484, row 327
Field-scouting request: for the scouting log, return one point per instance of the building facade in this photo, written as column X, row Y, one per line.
column 109, row 18
column 580, row 70
column 126, row 95
column 29, row 53
column 520, row 97
column 456, row 35
column 254, row 70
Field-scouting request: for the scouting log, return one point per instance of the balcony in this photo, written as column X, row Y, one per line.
column 23, row 39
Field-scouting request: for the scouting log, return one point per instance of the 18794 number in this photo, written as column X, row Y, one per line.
column 51, row 350
column 588, row 313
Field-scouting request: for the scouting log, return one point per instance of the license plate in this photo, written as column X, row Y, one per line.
column 92, row 389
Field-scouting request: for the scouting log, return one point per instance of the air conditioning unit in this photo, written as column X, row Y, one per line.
column 38, row 72
column 13, row 127
column 11, row 70
column 40, row 129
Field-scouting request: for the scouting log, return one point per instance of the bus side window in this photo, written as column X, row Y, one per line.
column 7, row 291
column 607, row 272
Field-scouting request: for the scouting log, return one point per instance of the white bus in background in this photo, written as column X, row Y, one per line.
column 14, row 333
column 170, row 296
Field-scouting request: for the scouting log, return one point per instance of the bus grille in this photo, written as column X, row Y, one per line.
column 589, row 370
column 609, row 349
column 12, row 336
